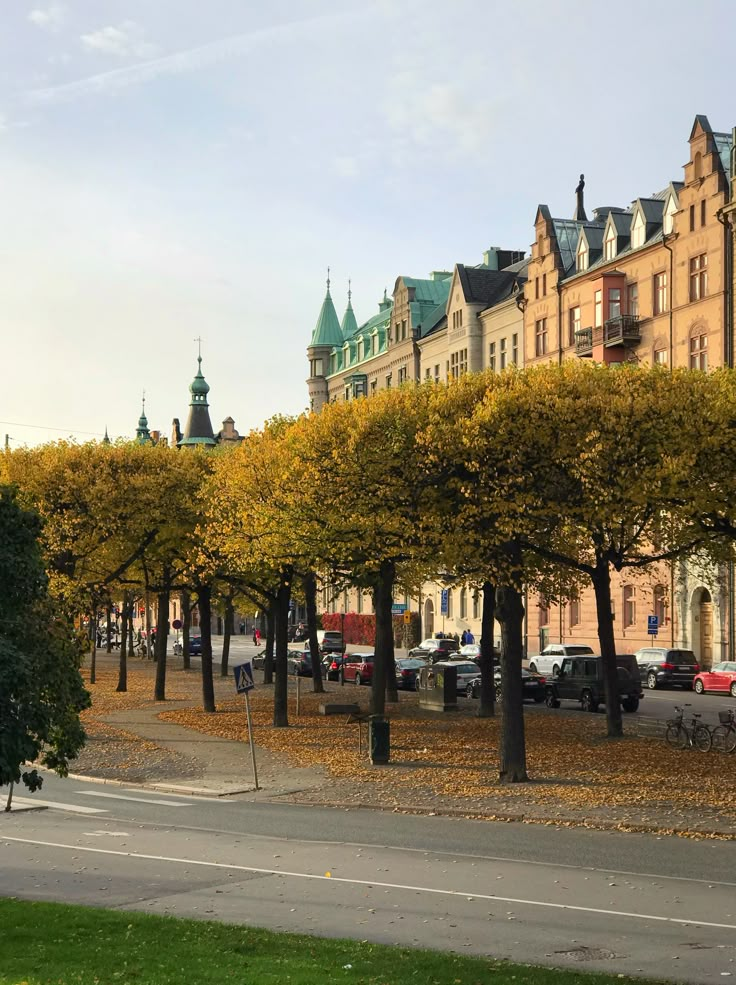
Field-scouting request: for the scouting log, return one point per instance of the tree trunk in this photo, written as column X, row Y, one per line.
column 384, row 649
column 228, row 631
column 186, row 620
column 149, row 649
column 92, row 636
column 268, row 661
column 281, row 621
column 510, row 614
column 9, row 801
column 123, row 661
column 108, row 614
column 310, row 593
column 602, row 586
column 204, row 601
column 162, row 625
column 487, row 708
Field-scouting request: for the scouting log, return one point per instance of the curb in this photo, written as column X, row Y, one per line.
column 213, row 792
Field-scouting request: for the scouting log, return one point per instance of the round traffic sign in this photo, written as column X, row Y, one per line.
column 177, row 624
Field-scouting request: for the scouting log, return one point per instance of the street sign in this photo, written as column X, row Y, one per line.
column 407, row 617
column 444, row 601
column 243, row 678
column 397, row 608
column 177, row 624
column 652, row 625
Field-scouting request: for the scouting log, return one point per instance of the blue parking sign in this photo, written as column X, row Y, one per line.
column 444, row 601
column 652, row 625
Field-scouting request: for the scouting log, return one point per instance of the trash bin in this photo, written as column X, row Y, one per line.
column 379, row 738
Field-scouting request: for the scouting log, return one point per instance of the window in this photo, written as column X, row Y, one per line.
column 659, row 602
column 544, row 284
column 573, row 321
column 614, row 302
column 692, row 218
column 632, row 300
column 638, row 231
column 388, row 382
column 541, row 336
column 574, row 611
column 502, row 354
column 609, row 247
column 668, row 223
column 698, row 277
column 374, row 386
column 449, row 603
column 660, row 357
column 428, row 373
column 374, row 344
column 402, row 375
column 629, row 606
column 403, row 329
column 515, row 349
column 347, row 393
column 660, row 293
column 698, row 165
column 476, row 605
column 702, row 213
column 492, row 356
column 536, row 288
column 463, row 604
column 699, row 351
column 543, row 611
column 582, row 257
column 458, row 363
column 598, row 309
column 437, row 373
column 359, row 601
column 457, row 319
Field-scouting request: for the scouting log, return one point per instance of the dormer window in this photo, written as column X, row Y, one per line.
column 638, row 231
column 609, row 245
column 582, row 255
column 346, row 355
column 668, row 221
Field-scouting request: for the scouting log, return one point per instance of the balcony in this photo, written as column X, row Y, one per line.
column 584, row 342
column 622, row 330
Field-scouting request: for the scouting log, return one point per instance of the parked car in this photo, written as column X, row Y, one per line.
column 300, row 662
column 549, row 661
column 533, row 686
column 358, row 667
column 721, row 679
column 581, row 679
column 660, row 667
column 332, row 663
column 407, row 672
column 466, row 672
column 330, row 641
column 434, row 649
column 471, row 651
column 195, row 646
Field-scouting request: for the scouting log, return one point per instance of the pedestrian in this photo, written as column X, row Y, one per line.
column 469, row 638
column 464, row 637
column 257, row 636
column 242, row 627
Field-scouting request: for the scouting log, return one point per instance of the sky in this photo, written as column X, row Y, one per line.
column 175, row 169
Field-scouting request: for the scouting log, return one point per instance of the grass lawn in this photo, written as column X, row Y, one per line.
column 74, row 945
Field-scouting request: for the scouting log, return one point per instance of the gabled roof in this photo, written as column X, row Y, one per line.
column 483, row 286
column 433, row 320
column 327, row 331
column 621, row 222
column 652, row 208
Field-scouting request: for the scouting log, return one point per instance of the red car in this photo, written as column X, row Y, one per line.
column 721, row 679
column 358, row 667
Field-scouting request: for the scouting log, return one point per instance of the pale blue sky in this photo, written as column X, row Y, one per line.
column 175, row 168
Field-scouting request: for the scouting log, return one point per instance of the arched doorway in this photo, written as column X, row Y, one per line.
column 701, row 616
column 428, row 618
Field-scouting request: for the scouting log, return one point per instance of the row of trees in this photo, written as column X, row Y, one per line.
column 545, row 478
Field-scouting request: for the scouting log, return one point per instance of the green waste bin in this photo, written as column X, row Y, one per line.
column 379, row 738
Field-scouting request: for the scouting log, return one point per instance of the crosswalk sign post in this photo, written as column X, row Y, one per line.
column 244, row 684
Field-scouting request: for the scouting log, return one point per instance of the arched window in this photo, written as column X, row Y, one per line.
column 659, row 603
column 463, row 604
column 699, row 349
column 543, row 611
column 476, row 605
column 660, row 352
column 629, row 600
column 698, row 165
column 449, row 603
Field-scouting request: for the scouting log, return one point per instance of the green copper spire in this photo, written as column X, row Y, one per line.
column 142, row 434
column 106, row 439
column 198, row 430
column 349, row 321
column 327, row 330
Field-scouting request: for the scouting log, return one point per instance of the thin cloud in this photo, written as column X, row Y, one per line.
column 182, row 62
column 48, row 19
column 124, row 41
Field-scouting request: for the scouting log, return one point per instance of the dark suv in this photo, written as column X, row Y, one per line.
column 581, row 679
column 660, row 667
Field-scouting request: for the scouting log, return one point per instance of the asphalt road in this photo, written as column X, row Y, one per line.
column 625, row 903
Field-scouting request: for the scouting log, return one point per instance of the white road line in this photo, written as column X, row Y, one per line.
column 76, row 808
column 373, row 884
column 138, row 800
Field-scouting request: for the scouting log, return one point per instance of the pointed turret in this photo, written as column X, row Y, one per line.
column 142, row 434
column 349, row 321
column 198, row 430
column 327, row 330
column 106, row 439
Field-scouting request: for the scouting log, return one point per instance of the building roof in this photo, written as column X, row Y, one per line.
column 198, row 430
column 566, row 233
column 349, row 326
column 483, row 286
column 327, row 331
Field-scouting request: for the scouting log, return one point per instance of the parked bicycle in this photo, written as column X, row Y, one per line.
column 724, row 735
column 680, row 735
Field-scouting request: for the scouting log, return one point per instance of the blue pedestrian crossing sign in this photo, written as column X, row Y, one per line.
column 243, row 678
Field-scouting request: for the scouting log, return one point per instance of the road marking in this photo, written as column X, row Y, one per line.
column 138, row 800
column 76, row 808
column 107, row 834
column 373, row 884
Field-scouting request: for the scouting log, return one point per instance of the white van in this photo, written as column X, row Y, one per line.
column 330, row 641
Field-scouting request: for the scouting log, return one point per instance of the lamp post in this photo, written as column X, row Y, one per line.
column 342, row 655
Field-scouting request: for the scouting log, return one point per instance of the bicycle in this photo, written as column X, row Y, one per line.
column 724, row 735
column 679, row 735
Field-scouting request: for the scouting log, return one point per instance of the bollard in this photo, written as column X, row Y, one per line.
column 379, row 739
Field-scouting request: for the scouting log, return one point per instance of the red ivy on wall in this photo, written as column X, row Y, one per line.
column 360, row 628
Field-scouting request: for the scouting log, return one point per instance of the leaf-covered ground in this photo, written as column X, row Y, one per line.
column 440, row 764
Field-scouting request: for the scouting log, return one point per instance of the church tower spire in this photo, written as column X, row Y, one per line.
column 142, row 434
column 198, row 430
